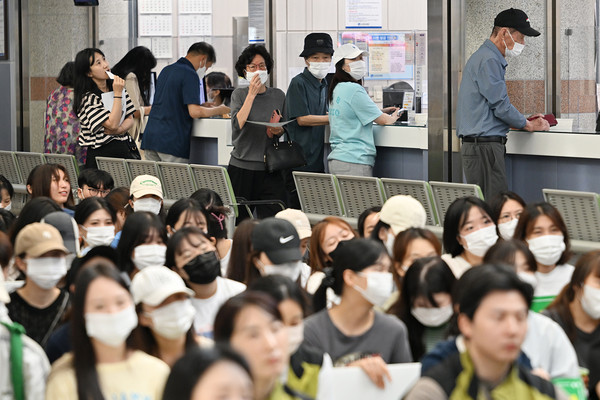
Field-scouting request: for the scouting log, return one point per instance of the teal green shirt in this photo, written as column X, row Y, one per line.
column 351, row 116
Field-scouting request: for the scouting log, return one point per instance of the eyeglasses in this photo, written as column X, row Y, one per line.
column 98, row 192
column 254, row 67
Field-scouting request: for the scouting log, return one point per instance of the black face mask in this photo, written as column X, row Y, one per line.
column 204, row 268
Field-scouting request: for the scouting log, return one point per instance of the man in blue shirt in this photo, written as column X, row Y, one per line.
column 306, row 103
column 176, row 104
column 484, row 113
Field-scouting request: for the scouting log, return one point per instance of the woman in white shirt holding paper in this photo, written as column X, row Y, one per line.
column 103, row 130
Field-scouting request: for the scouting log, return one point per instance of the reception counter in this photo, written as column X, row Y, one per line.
column 534, row 161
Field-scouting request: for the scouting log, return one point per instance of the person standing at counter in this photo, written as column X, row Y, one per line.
column 484, row 113
column 256, row 102
column 176, row 104
column 306, row 102
column 351, row 115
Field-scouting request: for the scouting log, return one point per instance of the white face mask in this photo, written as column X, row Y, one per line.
column 590, row 301
column 148, row 255
column 99, row 235
column 111, row 329
column 389, row 242
column 547, row 249
column 263, row 75
column 507, row 229
column 379, row 287
column 201, row 71
column 173, row 320
column 528, row 277
column 147, row 204
column 319, row 69
column 479, row 242
column 516, row 50
column 290, row 270
column 8, row 206
column 432, row 317
column 358, row 69
column 295, row 337
column 46, row 272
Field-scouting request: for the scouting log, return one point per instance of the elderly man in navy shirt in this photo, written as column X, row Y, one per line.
column 484, row 112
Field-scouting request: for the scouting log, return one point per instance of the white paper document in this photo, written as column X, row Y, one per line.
column 108, row 99
column 271, row 124
column 351, row 383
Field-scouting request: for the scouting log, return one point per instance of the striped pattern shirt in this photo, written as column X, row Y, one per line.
column 91, row 117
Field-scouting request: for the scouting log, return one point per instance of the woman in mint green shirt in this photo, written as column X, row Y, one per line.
column 351, row 115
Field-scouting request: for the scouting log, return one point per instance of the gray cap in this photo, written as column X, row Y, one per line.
column 67, row 227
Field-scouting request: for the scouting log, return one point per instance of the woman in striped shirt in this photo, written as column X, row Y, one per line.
column 103, row 130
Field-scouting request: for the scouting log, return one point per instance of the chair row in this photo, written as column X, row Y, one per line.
column 348, row 196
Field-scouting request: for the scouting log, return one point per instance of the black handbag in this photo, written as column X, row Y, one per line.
column 283, row 155
column 133, row 149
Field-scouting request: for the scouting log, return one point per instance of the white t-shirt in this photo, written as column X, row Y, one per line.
column 551, row 283
column 457, row 264
column 549, row 348
column 206, row 309
column 225, row 259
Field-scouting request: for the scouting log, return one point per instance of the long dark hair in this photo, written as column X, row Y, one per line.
column 40, row 179
column 425, row 277
column 190, row 368
column 82, row 83
column 140, row 61
column 281, row 288
column 137, row 228
column 175, row 241
column 227, row 316
column 455, row 218
column 403, row 240
column 84, row 357
column 89, row 206
column 353, row 254
column 588, row 264
column 240, row 250
column 339, row 77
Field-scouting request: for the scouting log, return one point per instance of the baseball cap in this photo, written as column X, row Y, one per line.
column 298, row 219
column 145, row 184
column 317, row 43
column 67, row 227
column 152, row 285
column 38, row 238
column 517, row 19
column 403, row 212
column 278, row 239
column 348, row 50
column 4, row 297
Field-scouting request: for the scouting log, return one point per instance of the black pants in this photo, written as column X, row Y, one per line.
column 257, row 185
column 114, row 148
column 483, row 164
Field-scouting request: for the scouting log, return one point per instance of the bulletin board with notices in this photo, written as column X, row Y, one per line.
column 169, row 27
column 392, row 55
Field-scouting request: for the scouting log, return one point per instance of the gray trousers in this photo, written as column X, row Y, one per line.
column 154, row 155
column 483, row 164
column 337, row 167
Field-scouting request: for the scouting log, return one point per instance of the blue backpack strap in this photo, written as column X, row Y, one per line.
column 16, row 359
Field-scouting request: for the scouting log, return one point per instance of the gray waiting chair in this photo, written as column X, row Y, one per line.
column 444, row 193
column 27, row 162
column 177, row 181
column 319, row 195
column 141, row 167
column 580, row 211
column 359, row 193
column 116, row 168
column 420, row 190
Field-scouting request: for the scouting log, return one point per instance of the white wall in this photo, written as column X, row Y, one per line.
column 294, row 19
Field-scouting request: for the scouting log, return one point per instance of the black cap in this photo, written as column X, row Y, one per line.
column 317, row 43
column 517, row 19
column 278, row 239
